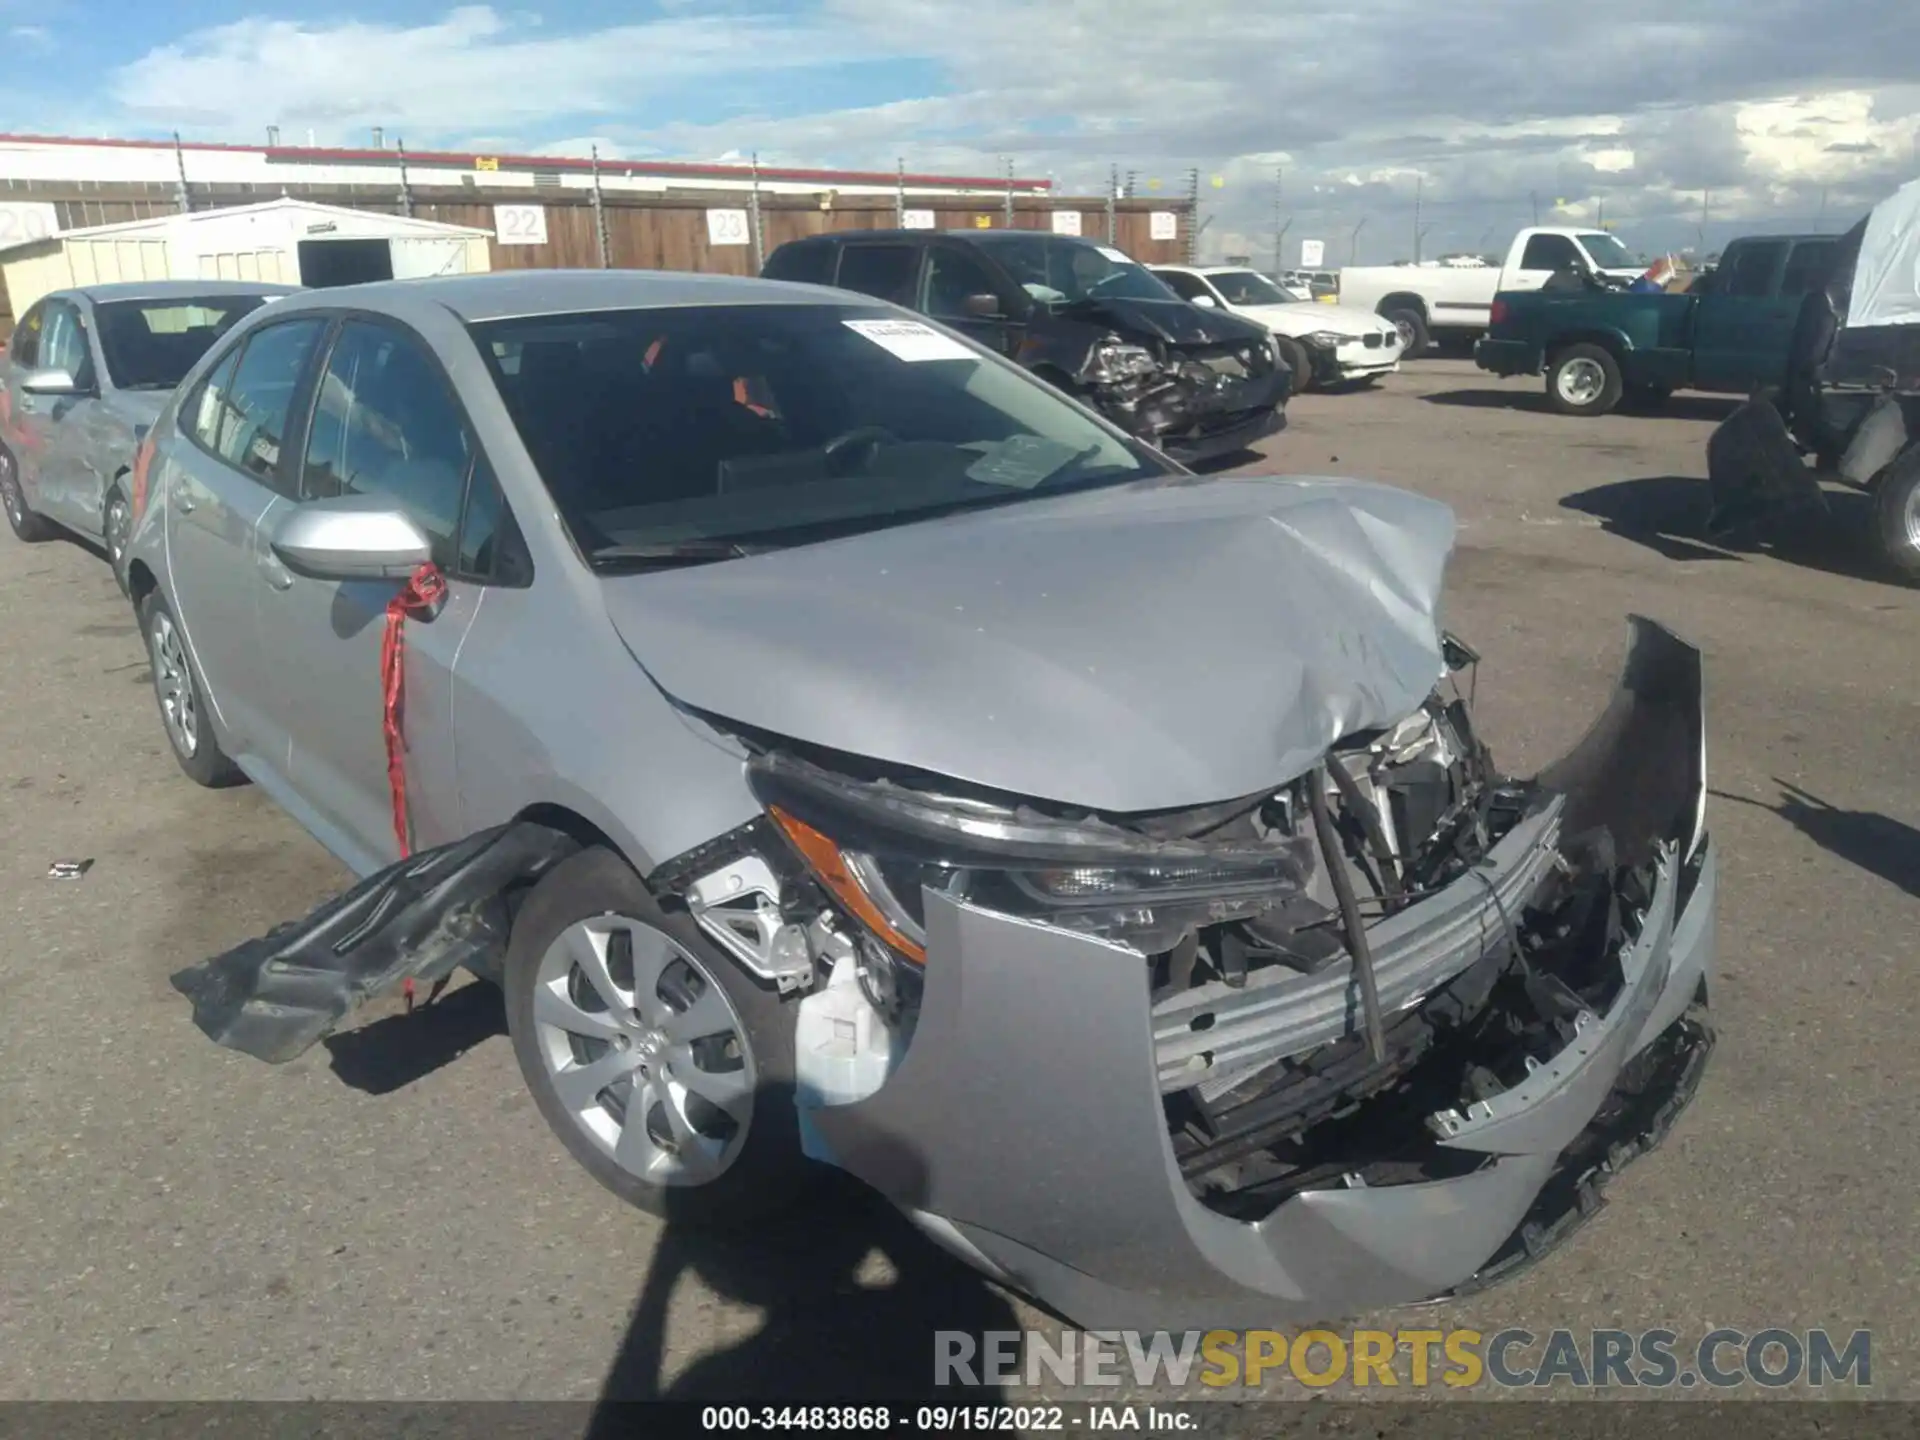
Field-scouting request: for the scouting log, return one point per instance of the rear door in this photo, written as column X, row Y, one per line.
column 1742, row 324
column 384, row 421
column 223, row 477
column 20, row 427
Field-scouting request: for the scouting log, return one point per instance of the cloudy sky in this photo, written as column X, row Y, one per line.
column 1673, row 123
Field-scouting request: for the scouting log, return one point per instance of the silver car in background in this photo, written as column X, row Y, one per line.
column 845, row 750
column 84, row 376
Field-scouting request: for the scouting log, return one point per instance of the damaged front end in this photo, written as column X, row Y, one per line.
column 1194, row 402
column 1125, row 1063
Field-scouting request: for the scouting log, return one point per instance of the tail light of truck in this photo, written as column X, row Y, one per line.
column 1498, row 315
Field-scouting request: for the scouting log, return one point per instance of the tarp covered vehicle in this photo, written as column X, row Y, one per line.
column 1849, row 409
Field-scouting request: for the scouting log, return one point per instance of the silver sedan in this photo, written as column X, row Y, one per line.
column 846, row 750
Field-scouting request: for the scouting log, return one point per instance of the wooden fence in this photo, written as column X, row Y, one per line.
column 644, row 232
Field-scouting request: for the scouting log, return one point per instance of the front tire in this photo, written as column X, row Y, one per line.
column 663, row 1068
column 26, row 526
column 1294, row 356
column 182, row 699
column 1584, row 380
column 1896, row 507
column 1412, row 326
column 116, row 528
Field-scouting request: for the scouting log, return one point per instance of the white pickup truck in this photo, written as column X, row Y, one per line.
column 1451, row 301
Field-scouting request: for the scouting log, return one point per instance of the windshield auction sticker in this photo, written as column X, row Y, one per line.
column 910, row 340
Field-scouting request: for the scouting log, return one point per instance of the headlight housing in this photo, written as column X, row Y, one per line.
column 876, row 846
column 1114, row 360
column 1327, row 339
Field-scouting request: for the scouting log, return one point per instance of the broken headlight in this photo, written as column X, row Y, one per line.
column 878, row 846
column 1113, row 360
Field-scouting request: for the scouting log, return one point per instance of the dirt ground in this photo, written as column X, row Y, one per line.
column 387, row 1217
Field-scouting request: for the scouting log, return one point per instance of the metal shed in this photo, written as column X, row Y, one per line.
column 285, row 241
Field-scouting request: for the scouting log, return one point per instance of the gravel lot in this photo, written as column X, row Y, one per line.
column 378, row 1221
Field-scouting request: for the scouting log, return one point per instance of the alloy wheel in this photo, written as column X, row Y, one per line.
column 645, row 1050
column 113, row 529
column 10, row 495
column 1581, row 381
column 173, row 683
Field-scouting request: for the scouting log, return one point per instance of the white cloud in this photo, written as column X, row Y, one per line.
column 1812, row 110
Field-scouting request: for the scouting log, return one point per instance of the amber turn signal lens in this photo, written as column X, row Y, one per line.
column 823, row 858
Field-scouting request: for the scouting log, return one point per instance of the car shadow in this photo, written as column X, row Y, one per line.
column 1876, row 843
column 394, row 1051
column 1714, row 408
column 1668, row 513
column 851, row 1299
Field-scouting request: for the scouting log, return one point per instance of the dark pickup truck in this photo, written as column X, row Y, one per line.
column 1597, row 346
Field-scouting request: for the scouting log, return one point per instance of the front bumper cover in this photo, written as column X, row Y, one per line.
column 1049, row 1165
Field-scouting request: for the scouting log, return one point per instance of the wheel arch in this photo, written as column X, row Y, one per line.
column 1404, row 300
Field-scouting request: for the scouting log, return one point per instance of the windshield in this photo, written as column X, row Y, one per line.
column 661, row 432
column 1248, row 287
column 1607, row 252
column 1060, row 271
column 150, row 344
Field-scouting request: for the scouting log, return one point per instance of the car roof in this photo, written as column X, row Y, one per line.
column 978, row 237
column 506, row 294
column 173, row 289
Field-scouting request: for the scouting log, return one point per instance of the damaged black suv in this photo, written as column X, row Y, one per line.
column 1083, row 316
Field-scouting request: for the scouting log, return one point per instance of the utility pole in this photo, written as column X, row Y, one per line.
column 900, row 194
column 180, row 162
column 1009, row 192
column 753, row 199
column 1193, row 216
column 1419, row 192
column 406, row 195
column 1133, row 183
column 1353, row 241
column 599, row 212
column 1706, row 203
column 1279, row 230
column 1113, row 199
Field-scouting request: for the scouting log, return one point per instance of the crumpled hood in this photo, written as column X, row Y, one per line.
column 1173, row 322
column 1310, row 317
column 1144, row 647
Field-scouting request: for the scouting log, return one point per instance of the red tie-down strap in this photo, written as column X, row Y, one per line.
column 419, row 598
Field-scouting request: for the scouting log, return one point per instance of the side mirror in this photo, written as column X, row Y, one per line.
column 1205, row 302
column 51, row 382
column 983, row 307
column 350, row 537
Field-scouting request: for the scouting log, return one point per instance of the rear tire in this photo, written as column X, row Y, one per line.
column 1294, row 356
column 182, row 699
column 1584, row 379
column 1896, row 508
column 1412, row 326
column 26, row 526
column 724, row 1164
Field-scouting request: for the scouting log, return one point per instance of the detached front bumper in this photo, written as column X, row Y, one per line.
column 1025, row 1127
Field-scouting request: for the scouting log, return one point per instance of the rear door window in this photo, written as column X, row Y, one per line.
column 809, row 264
column 247, row 423
column 1807, row 267
column 886, row 272
column 1752, row 268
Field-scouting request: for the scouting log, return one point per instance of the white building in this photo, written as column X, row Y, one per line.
column 286, row 242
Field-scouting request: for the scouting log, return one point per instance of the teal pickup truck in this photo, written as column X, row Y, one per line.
column 1598, row 346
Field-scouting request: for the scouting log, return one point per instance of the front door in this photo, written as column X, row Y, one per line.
column 954, row 291
column 384, row 421
column 59, row 423
column 220, row 485
column 1741, row 326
